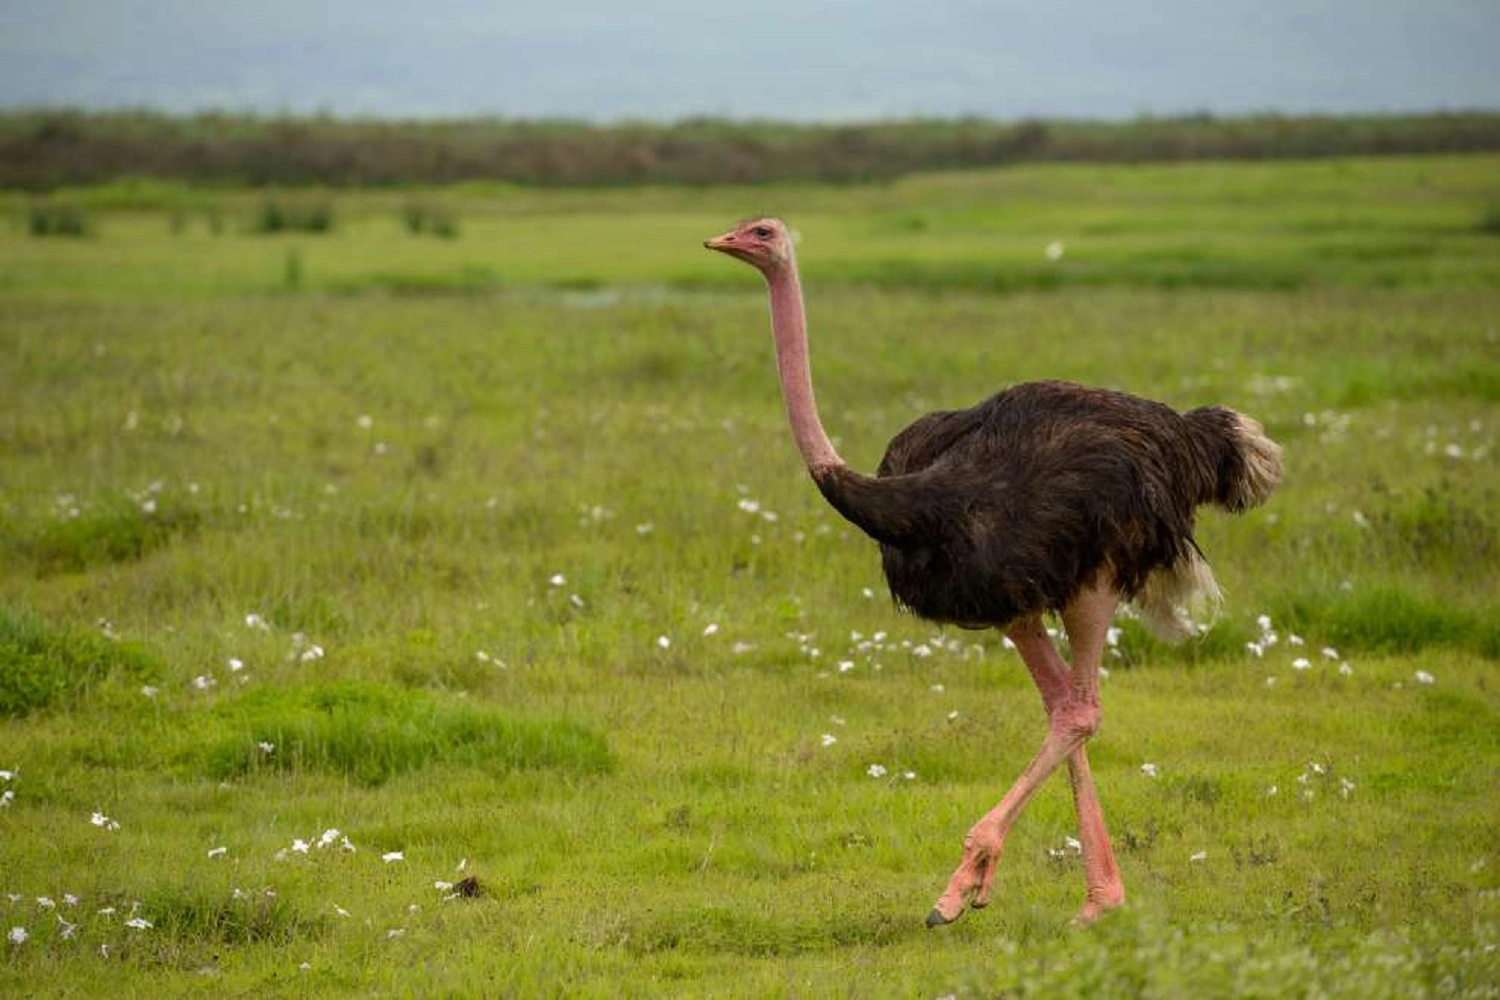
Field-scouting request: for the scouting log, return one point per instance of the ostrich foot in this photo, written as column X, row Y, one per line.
column 1093, row 909
column 1099, row 901
column 972, row 881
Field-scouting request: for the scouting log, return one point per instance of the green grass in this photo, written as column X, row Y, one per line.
column 421, row 519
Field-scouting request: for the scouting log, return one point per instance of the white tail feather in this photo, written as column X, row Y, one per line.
column 1174, row 594
column 1263, row 466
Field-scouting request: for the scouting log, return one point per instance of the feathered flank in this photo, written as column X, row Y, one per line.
column 1012, row 506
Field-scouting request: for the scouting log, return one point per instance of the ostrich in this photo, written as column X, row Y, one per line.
column 1046, row 497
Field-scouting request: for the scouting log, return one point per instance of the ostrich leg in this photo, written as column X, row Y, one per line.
column 1087, row 623
column 1072, row 703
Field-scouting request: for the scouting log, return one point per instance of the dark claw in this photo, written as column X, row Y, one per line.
column 936, row 919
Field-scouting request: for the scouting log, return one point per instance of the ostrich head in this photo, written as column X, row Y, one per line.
column 765, row 243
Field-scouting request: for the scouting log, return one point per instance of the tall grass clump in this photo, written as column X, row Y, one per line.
column 424, row 218
column 1389, row 620
column 191, row 914
column 305, row 215
column 371, row 733
column 53, row 219
column 116, row 530
column 42, row 666
column 1489, row 222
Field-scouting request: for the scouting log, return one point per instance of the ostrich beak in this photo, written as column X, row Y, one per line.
column 721, row 243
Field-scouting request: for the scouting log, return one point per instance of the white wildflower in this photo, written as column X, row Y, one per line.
column 150, row 690
column 1345, row 670
column 1149, row 770
column 7, row 797
column 1301, row 663
column 265, row 747
column 1329, row 653
column 663, row 642
column 217, row 852
column 300, row 846
column 253, row 620
column 104, row 822
column 236, row 664
column 711, row 628
column 138, row 923
column 1055, row 250
column 557, row 579
column 1199, row 856
column 392, row 856
column 875, row 771
column 18, row 935
column 829, row 739
column 1423, row 677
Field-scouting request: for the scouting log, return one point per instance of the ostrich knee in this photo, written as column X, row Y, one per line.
column 1074, row 722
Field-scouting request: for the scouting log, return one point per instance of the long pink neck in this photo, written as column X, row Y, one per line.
column 789, row 328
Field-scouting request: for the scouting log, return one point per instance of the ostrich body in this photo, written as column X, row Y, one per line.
column 1046, row 497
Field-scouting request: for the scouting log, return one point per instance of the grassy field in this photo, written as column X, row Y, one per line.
column 336, row 569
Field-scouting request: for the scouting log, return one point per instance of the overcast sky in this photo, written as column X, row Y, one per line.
column 799, row 59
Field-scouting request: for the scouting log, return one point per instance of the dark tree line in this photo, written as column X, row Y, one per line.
column 45, row 149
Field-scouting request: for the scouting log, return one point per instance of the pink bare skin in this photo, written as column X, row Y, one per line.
column 1071, row 700
column 1069, row 695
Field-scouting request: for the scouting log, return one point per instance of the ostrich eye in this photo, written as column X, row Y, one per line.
column 763, row 232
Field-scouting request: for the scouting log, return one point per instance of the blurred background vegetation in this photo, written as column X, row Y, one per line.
column 44, row 149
